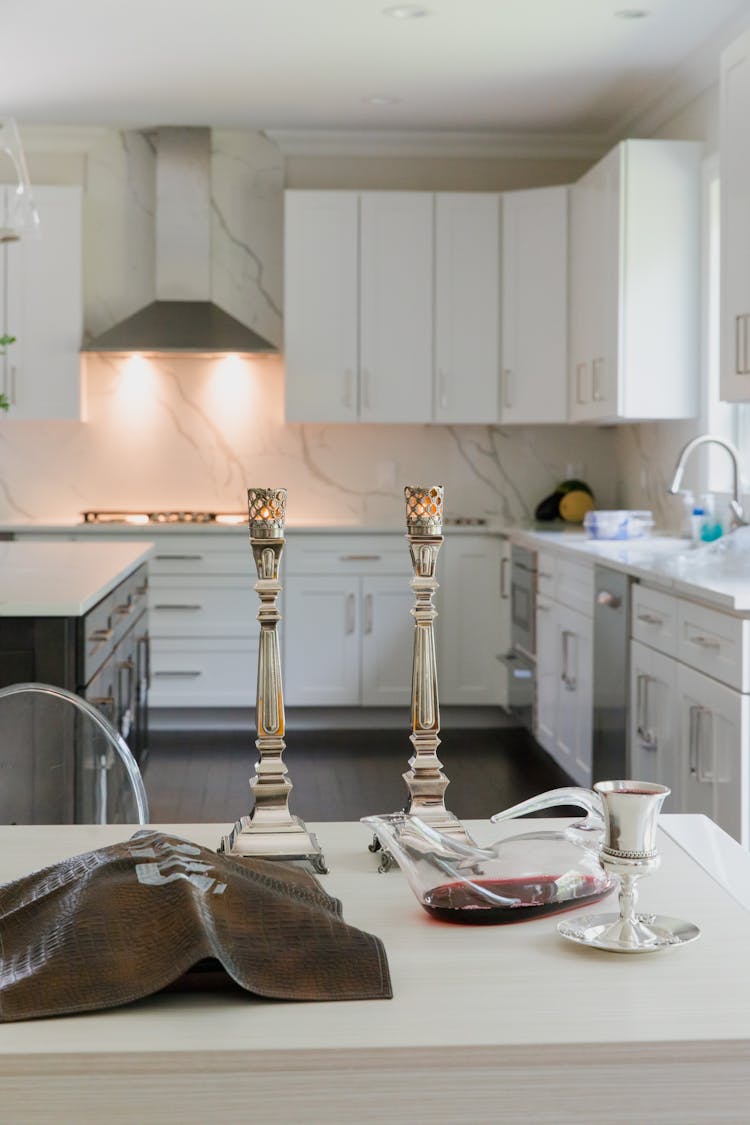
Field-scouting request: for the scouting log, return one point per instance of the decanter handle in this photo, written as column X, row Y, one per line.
column 583, row 798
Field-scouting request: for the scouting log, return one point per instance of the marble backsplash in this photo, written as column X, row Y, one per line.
column 195, row 433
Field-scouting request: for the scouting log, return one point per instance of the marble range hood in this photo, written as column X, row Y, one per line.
column 183, row 318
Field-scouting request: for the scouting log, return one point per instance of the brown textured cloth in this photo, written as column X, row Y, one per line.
column 114, row 925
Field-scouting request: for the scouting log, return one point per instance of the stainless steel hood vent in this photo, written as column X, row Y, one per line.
column 183, row 319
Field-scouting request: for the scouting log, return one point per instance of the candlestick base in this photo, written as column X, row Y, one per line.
column 286, row 842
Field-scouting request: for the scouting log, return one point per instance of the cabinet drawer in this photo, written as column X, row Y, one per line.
column 715, row 643
column 574, row 587
column 347, row 555
column 204, row 673
column 202, row 608
column 196, row 555
column 546, row 574
column 654, row 619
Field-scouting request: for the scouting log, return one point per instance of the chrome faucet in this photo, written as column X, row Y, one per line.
column 738, row 512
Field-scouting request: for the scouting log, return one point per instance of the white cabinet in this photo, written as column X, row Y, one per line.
column 565, row 681
column 653, row 735
column 41, row 305
column 347, row 627
column 358, row 315
column 534, row 306
column 467, row 307
column 734, row 155
column 714, row 728
column 473, row 625
column 634, row 284
column 321, row 306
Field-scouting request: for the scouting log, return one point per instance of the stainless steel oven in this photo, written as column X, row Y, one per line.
column 521, row 659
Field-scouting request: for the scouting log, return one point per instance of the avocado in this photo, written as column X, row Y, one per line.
column 549, row 508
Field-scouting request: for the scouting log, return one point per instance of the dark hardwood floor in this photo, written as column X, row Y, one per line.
column 341, row 775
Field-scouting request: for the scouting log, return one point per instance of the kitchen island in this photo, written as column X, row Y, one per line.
column 486, row 1024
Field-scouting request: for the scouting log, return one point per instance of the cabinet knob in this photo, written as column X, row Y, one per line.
column 612, row 601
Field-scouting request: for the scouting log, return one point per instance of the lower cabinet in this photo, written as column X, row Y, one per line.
column 564, row 715
column 687, row 729
column 654, row 737
column 347, row 641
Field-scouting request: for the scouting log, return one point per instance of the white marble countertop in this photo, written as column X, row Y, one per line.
column 665, row 562
column 482, row 1017
column 53, row 579
column 68, row 527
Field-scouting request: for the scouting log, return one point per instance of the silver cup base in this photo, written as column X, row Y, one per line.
column 648, row 933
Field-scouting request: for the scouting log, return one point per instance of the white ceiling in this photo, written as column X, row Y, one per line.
column 512, row 66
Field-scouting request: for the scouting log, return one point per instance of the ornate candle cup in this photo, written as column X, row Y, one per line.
column 631, row 815
column 270, row 831
column 425, row 780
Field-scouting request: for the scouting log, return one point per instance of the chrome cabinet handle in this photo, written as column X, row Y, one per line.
column 504, row 584
column 350, row 613
column 646, row 736
column 359, row 558
column 123, row 610
column 176, row 674
column 570, row 681
column 141, row 590
column 443, row 390
column 100, row 635
column 178, row 558
column 142, row 644
column 699, row 715
column 650, row 619
column 705, row 642
column 164, row 605
column 368, row 613
column 507, row 388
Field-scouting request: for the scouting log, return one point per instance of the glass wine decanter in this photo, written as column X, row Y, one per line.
column 525, row 875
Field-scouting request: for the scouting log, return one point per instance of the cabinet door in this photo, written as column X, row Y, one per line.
column 467, row 307
column 735, row 221
column 396, row 302
column 573, row 740
column 387, row 642
column 548, row 666
column 321, row 640
column 535, row 305
column 584, row 270
column 321, row 306
column 473, row 627
column 44, row 311
column 714, row 731
column 653, row 728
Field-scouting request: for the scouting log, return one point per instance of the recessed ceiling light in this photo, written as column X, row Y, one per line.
column 406, row 12
column 632, row 13
column 380, row 99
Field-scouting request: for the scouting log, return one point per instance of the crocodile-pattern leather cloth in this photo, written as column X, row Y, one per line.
column 117, row 924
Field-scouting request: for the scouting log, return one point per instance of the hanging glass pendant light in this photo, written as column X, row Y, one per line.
column 19, row 217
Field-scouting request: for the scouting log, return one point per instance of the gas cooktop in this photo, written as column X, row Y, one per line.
column 165, row 517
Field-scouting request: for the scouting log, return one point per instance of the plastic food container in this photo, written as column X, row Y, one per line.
column 620, row 524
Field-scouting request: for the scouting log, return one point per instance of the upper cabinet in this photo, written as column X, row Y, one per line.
column 734, row 156
column 535, row 306
column 358, row 271
column 391, row 306
column 635, row 284
column 41, row 305
column 467, row 306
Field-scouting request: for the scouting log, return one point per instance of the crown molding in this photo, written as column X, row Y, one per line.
column 69, row 139
column 436, row 143
column 694, row 75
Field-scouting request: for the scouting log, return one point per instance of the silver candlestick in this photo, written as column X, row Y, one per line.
column 270, row 831
column 425, row 779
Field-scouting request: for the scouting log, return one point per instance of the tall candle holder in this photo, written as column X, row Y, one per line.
column 270, row 830
column 425, row 779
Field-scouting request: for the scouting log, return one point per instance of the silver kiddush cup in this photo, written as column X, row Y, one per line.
column 631, row 816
